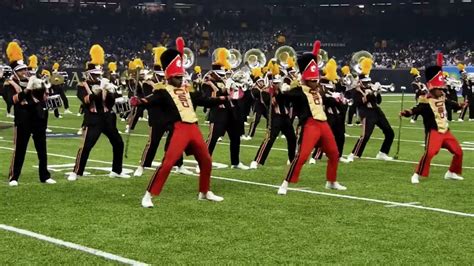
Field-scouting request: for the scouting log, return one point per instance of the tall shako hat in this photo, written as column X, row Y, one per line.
column 434, row 74
column 308, row 63
column 172, row 60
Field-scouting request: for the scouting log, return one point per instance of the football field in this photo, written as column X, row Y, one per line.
column 381, row 219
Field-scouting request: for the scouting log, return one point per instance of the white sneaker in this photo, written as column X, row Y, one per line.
column 453, row 176
column 246, row 123
column 197, row 170
column 10, row 115
column 127, row 129
column 79, row 132
column 121, row 175
column 350, row 125
column 50, row 181
column 248, row 138
column 415, row 178
column 344, row 160
column 78, row 114
column 240, row 166
column 413, row 121
column 207, row 122
column 66, row 111
column 350, row 158
column 312, row 161
column 283, row 188
column 253, row 165
column 335, row 185
column 122, row 119
column 48, row 130
column 219, row 139
column 182, row 170
column 139, row 171
column 288, row 162
column 146, row 200
column 209, row 196
column 60, row 116
column 72, row 177
column 460, row 120
column 383, row 156
column 13, row 183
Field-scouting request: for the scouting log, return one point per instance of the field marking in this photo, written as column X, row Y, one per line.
column 411, row 203
column 59, row 242
column 384, row 202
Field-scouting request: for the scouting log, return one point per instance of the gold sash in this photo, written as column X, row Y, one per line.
column 439, row 111
column 182, row 100
column 315, row 103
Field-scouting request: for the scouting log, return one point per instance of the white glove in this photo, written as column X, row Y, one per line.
column 284, row 87
column 34, row 83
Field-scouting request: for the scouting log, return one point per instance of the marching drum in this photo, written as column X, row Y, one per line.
column 54, row 102
column 122, row 105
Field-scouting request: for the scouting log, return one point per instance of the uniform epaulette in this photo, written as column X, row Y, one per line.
column 159, row 86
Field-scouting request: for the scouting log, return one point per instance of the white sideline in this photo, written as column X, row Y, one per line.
column 70, row 245
column 385, row 202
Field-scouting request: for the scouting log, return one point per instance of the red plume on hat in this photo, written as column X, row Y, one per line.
column 180, row 45
column 308, row 62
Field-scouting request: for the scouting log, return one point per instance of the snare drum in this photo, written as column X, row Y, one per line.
column 122, row 105
column 54, row 102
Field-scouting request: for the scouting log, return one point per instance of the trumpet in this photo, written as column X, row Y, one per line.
column 377, row 87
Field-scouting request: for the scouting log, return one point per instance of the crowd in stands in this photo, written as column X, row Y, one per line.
column 66, row 37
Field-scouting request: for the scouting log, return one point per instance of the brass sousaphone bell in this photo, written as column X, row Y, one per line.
column 283, row 53
column 357, row 58
column 255, row 58
column 56, row 79
column 188, row 58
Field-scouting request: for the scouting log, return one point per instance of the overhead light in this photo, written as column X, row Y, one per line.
column 360, row 6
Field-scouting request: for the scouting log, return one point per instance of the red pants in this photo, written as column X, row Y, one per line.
column 314, row 133
column 434, row 142
column 186, row 137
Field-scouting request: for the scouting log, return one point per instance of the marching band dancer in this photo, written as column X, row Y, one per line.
column 158, row 120
column 224, row 117
column 258, row 107
column 178, row 103
column 335, row 109
column 276, row 106
column 419, row 88
column 28, row 97
column 437, row 132
column 467, row 93
column 308, row 102
column 367, row 100
column 60, row 89
column 98, row 98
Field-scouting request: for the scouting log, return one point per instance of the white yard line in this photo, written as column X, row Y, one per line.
column 410, row 203
column 59, row 242
column 384, row 202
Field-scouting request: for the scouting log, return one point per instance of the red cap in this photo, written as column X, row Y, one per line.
column 311, row 71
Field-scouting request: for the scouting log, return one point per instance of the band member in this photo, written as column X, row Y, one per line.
column 451, row 97
column 225, row 117
column 336, row 112
column 4, row 75
column 276, row 106
column 419, row 88
column 309, row 102
column 98, row 98
column 158, row 120
column 437, row 132
column 28, row 97
column 258, row 108
column 178, row 103
column 367, row 99
column 467, row 93
column 349, row 83
column 59, row 88
column 137, row 89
